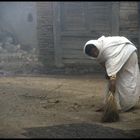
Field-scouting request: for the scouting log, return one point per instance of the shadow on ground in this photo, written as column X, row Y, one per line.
column 81, row 130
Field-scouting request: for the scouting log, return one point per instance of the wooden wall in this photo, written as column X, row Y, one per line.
column 129, row 22
column 76, row 23
column 45, row 32
column 64, row 28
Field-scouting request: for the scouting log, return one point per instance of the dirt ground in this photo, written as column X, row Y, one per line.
column 51, row 100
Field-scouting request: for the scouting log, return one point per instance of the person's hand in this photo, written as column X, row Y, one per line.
column 107, row 77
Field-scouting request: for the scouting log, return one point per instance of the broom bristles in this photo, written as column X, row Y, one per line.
column 110, row 113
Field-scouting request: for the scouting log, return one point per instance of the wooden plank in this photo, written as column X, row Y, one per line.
column 72, row 45
column 78, row 56
column 94, row 32
column 73, row 51
column 74, row 54
column 56, row 32
column 79, row 61
column 99, row 16
column 103, row 27
column 98, row 4
column 72, row 16
column 128, row 5
column 72, row 48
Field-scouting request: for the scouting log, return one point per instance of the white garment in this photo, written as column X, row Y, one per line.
column 120, row 58
column 128, row 84
column 113, row 51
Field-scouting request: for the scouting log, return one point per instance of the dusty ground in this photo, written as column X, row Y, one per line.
column 30, row 102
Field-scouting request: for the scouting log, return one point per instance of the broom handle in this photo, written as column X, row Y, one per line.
column 112, row 85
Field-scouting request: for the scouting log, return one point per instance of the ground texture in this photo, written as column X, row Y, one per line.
column 55, row 106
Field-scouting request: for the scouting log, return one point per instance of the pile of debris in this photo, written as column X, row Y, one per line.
column 15, row 57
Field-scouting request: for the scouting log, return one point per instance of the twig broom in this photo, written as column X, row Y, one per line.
column 111, row 113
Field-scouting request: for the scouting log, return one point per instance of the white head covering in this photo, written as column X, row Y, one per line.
column 112, row 52
column 98, row 43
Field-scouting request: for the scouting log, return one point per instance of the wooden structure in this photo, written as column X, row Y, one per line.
column 64, row 28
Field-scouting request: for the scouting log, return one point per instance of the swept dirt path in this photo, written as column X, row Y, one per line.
column 43, row 101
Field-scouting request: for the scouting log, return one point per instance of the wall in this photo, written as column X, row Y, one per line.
column 129, row 21
column 15, row 17
column 45, row 32
column 18, row 20
column 80, row 22
column 72, row 27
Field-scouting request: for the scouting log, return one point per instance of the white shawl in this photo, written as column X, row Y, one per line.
column 113, row 51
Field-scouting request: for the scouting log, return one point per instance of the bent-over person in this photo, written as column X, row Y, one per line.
column 118, row 56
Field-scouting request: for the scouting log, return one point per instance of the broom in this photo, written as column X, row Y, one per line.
column 111, row 113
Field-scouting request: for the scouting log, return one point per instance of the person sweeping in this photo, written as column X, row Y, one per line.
column 118, row 56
